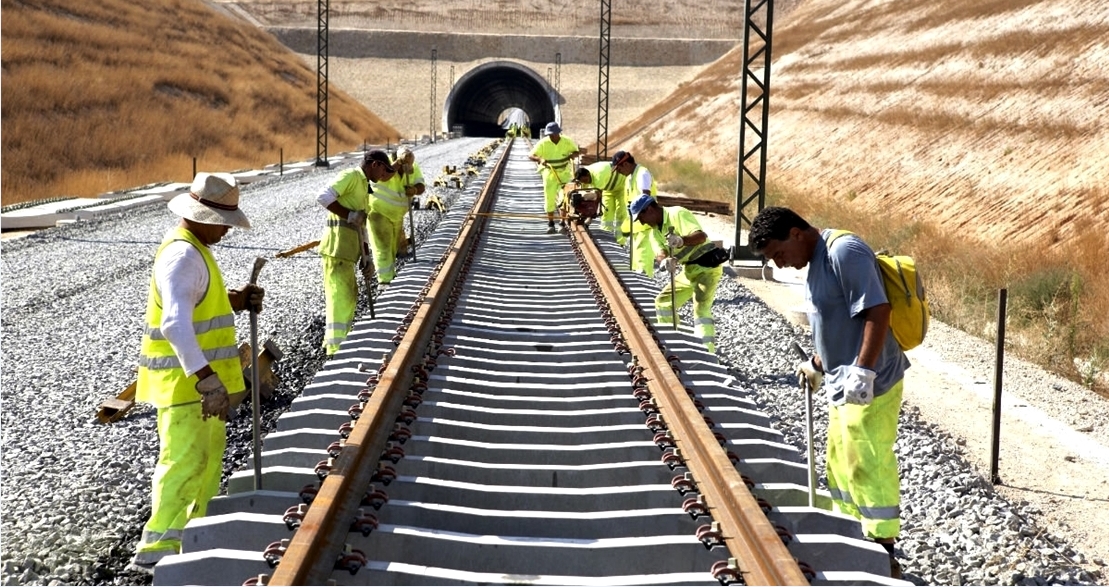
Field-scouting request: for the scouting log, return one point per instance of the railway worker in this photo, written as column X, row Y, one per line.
column 677, row 239
column 858, row 361
column 343, row 245
column 189, row 364
column 389, row 203
column 603, row 175
column 409, row 180
column 639, row 182
column 554, row 154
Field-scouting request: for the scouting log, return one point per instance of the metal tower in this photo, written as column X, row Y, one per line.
column 754, row 118
column 434, row 60
column 558, row 73
column 602, row 80
column 321, row 84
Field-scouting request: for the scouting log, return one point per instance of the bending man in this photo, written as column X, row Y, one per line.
column 343, row 244
column 862, row 360
column 677, row 239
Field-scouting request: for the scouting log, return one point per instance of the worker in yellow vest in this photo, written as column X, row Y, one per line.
column 409, row 180
column 343, row 245
column 555, row 154
column 639, row 182
column 388, row 204
column 189, row 363
column 677, row 240
column 603, row 176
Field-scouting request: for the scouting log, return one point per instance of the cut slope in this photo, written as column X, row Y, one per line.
column 111, row 94
column 986, row 118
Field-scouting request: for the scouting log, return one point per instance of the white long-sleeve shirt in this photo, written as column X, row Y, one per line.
column 181, row 276
column 644, row 180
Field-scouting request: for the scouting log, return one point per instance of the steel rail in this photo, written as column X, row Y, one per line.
column 312, row 552
column 761, row 556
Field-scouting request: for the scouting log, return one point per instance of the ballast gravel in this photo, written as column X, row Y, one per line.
column 76, row 492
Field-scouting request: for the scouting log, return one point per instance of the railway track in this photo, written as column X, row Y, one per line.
column 507, row 417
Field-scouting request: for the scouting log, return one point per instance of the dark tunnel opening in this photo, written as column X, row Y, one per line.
column 477, row 102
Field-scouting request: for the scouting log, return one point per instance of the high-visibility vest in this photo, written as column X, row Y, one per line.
column 340, row 240
column 684, row 223
column 606, row 177
column 162, row 380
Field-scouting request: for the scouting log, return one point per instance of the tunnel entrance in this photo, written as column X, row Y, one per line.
column 479, row 101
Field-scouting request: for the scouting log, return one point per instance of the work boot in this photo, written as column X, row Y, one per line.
column 550, row 228
column 895, row 568
column 563, row 229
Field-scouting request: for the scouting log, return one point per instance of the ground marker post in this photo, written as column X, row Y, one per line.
column 998, row 376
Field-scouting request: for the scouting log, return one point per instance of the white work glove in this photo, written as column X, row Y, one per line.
column 356, row 218
column 850, row 384
column 669, row 265
column 214, row 401
column 674, row 240
column 808, row 372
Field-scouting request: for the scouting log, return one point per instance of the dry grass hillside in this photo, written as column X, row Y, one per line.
column 983, row 117
column 969, row 134
column 105, row 95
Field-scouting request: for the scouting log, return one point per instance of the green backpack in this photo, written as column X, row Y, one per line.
column 905, row 290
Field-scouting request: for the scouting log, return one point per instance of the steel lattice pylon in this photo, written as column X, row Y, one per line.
column 602, row 80
column 754, row 118
column 558, row 73
column 434, row 62
column 321, row 84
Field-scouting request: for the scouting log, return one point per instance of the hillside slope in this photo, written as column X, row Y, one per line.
column 986, row 118
column 111, row 94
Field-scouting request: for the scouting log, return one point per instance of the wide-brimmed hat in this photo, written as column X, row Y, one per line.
column 553, row 128
column 639, row 205
column 213, row 198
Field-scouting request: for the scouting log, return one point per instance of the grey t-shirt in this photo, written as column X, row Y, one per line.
column 842, row 283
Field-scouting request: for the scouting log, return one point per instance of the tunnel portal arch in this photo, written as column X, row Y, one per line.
column 483, row 94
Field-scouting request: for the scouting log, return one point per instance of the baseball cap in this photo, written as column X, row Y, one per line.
column 640, row 204
column 381, row 157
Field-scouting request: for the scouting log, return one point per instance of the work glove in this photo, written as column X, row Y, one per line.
column 356, row 218
column 675, row 240
column 807, row 371
column 247, row 298
column 410, row 191
column 850, row 384
column 214, row 401
column 669, row 265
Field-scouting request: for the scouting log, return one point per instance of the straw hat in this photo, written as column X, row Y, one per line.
column 213, row 198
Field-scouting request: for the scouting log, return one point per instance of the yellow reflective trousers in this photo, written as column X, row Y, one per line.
column 341, row 300
column 862, row 467
column 186, row 477
column 700, row 284
column 386, row 227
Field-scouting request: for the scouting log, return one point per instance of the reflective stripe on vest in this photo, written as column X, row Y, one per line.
column 162, row 380
column 685, row 254
column 333, row 221
column 389, row 196
column 198, row 327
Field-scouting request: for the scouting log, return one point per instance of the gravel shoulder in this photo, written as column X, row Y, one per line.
column 1054, row 439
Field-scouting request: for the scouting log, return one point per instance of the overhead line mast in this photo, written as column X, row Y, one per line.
column 322, row 10
column 602, row 80
column 754, row 119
